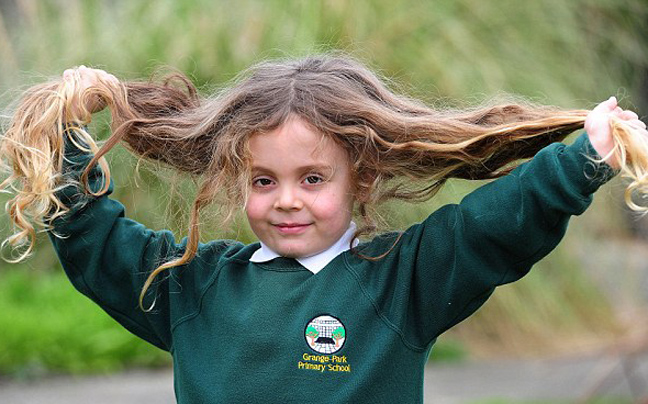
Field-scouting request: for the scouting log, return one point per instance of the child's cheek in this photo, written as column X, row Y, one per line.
column 325, row 206
column 254, row 209
column 332, row 207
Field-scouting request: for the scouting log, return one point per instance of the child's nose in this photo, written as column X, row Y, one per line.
column 288, row 199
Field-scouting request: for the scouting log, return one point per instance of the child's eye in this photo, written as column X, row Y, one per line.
column 262, row 182
column 313, row 179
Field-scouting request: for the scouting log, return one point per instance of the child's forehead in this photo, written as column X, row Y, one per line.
column 295, row 138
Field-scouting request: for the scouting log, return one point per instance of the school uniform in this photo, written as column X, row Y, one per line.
column 246, row 325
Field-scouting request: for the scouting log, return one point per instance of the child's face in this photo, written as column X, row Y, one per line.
column 301, row 196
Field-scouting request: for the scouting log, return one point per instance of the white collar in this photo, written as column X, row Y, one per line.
column 314, row 263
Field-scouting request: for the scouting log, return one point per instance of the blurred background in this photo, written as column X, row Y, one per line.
column 588, row 295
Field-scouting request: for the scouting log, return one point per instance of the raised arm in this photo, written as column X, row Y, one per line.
column 109, row 257
column 445, row 268
column 496, row 234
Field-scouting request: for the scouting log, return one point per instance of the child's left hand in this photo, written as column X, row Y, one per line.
column 597, row 126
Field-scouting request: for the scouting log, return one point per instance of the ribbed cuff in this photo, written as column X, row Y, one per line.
column 594, row 174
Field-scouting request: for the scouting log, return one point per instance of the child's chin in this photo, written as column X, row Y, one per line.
column 292, row 254
column 295, row 252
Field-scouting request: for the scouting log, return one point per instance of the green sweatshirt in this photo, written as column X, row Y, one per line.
column 359, row 331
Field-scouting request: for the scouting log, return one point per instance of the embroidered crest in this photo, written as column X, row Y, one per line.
column 325, row 334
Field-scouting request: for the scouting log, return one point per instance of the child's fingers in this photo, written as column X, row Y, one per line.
column 81, row 72
column 629, row 116
column 111, row 78
column 608, row 105
column 68, row 74
column 87, row 72
column 598, row 118
column 87, row 79
column 108, row 78
column 635, row 123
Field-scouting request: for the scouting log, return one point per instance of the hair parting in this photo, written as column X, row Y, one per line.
column 398, row 148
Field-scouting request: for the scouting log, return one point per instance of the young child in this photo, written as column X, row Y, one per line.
column 309, row 312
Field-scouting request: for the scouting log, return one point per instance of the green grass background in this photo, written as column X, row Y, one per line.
column 448, row 53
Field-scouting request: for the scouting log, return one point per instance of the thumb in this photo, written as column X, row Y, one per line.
column 607, row 106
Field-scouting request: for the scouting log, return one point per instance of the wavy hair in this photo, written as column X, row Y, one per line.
column 399, row 148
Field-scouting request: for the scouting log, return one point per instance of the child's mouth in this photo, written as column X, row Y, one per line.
column 292, row 228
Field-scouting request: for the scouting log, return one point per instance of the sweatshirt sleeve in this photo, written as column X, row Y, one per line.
column 108, row 257
column 494, row 235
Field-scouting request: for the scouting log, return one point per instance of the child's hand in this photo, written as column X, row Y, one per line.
column 86, row 79
column 597, row 126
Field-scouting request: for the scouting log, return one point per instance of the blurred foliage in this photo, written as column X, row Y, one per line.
column 447, row 52
column 48, row 327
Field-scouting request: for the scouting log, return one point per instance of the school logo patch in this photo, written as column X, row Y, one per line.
column 325, row 334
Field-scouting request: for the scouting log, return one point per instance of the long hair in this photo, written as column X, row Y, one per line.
column 399, row 148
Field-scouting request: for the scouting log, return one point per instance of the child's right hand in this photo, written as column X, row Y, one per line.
column 87, row 78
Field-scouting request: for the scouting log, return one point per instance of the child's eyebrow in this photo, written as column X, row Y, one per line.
column 318, row 168
column 322, row 168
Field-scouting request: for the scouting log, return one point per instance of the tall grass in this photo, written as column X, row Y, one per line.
column 567, row 53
